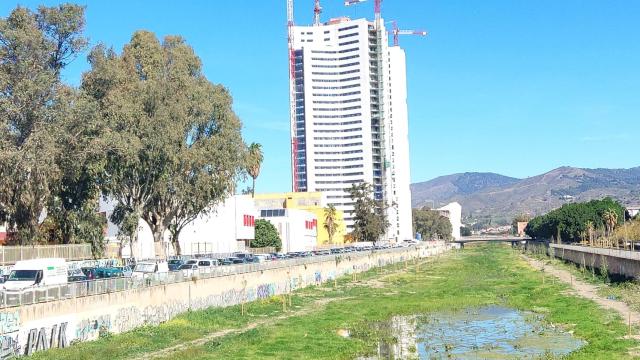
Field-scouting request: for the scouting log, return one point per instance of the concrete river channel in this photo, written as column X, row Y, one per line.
column 492, row 332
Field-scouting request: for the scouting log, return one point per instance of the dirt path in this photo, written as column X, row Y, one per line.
column 586, row 290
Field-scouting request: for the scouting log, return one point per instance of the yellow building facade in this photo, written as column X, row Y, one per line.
column 314, row 202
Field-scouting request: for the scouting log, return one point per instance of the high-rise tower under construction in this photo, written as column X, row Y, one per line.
column 349, row 121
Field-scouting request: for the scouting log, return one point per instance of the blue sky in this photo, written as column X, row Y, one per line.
column 513, row 87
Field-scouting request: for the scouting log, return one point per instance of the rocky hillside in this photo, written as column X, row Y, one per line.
column 497, row 196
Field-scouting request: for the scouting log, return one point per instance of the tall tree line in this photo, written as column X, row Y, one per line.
column 145, row 129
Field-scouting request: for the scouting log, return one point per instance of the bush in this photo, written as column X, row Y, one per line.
column 266, row 235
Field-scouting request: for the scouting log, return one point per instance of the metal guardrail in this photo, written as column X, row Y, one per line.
column 11, row 254
column 104, row 286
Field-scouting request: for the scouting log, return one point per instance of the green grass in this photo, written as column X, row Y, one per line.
column 476, row 276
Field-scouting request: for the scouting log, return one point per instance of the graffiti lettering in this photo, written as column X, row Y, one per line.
column 9, row 322
column 89, row 329
column 10, row 347
column 37, row 339
column 266, row 290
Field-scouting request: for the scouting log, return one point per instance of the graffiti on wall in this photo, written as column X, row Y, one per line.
column 45, row 338
column 10, row 346
column 265, row 290
column 9, row 322
column 90, row 329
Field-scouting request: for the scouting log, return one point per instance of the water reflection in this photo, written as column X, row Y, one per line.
column 492, row 332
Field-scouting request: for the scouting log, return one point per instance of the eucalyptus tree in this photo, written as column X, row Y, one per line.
column 74, row 203
column 370, row 217
column 175, row 143
column 34, row 48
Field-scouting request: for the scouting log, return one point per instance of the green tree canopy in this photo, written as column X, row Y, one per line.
column 176, row 147
column 34, row 48
column 431, row 225
column 370, row 217
column 572, row 221
column 266, row 235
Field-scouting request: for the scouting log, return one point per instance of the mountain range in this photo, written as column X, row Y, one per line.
column 490, row 195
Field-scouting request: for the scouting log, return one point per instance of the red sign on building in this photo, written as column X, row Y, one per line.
column 249, row 220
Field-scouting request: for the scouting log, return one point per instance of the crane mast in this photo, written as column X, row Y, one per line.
column 317, row 10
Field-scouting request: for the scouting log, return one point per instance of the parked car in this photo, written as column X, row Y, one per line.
column 127, row 271
column 189, row 270
column 109, row 272
column 89, row 272
column 236, row 260
column 262, row 257
column 76, row 276
column 175, row 264
column 227, row 261
column 207, row 263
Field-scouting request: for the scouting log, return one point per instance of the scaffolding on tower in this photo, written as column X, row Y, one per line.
column 292, row 97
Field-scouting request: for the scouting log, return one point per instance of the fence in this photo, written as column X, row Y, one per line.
column 262, row 250
column 11, row 254
column 103, row 286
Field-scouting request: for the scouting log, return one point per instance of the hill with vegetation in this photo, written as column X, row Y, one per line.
column 489, row 197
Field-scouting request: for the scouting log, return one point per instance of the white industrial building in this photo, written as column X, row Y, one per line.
column 226, row 228
column 349, row 117
column 298, row 229
column 453, row 211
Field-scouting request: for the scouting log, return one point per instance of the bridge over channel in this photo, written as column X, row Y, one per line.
column 514, row 240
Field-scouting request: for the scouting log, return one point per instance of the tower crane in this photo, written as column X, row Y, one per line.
column 396, row 32
column 317, row 9
column 376, row 8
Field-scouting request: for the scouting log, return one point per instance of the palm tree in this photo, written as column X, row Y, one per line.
column 254, row 162
column 590, row 228
column 331, row 221
column 610, row 218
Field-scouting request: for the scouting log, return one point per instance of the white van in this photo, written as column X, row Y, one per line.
column 148, row 268
column 37, row 272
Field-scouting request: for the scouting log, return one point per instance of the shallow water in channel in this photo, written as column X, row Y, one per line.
column 492, row 332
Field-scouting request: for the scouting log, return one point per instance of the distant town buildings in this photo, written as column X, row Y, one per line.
column 520, row 226
column 633, row 210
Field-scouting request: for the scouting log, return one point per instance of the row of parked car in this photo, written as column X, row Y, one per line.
column 55, row 271
column 93, row 273
column 190, row 267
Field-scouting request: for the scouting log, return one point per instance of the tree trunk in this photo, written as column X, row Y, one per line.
column 176, row 247
column 158, row 238
column 120, row 248
column 253, row 187
column 131, row 240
